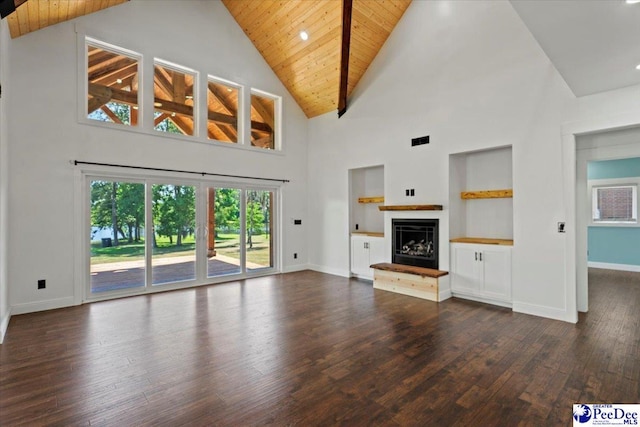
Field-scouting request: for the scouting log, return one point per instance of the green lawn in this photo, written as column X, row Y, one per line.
column 226, row 244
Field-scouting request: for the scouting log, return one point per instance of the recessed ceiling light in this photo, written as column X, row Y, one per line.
column 157, row 104
column 638, row 67
column 633, row 1
column 119, row 81
column 305, row 36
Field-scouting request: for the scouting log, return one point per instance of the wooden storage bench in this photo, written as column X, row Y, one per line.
column 420, row 282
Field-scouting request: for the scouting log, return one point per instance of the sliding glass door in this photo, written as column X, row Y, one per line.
column 150, row 233
column 117, row 238
column 259, row 224
column 223, row 231
column 173, row 248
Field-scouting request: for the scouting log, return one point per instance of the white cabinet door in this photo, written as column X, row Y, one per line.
column 366, row 250
column 482, row 271
column 360, row 256
column 465, row 269
column 496, row 273
column 377, row 250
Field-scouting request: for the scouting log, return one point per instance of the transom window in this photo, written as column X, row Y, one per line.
column 222, row 110
column 616, row 204
column 112, row 91
column 174, row 99
column 264, row 116
column 110, row 95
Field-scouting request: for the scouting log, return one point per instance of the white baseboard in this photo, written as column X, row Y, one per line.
column 328, row 270
column 544, row 311
column 481, row 299
column 294, row 268
column 610, row 266
column 51, row 304
column 4, row 324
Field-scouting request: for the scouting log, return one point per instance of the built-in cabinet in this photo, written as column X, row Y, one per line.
column 481, row 224
column 366, row 250
column 366, row 221
column 481, row 272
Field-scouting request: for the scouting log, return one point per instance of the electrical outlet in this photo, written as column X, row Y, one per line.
column 407, row 192
column 295, row 255
column 42, row 284
column 413, row 192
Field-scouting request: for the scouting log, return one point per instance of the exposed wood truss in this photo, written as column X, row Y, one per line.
column 113, row 78
column 347, row 8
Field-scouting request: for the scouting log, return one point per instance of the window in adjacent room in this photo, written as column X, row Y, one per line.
column 223, row 100
column 615, row 204
column 112, row 87
column 174, row 99
column 265, row 113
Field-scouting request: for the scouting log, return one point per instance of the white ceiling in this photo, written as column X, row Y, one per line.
column 594, row 44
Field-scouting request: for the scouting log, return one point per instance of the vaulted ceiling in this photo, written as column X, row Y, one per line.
column 33, row 15
column 310, row 69
column 590, row 43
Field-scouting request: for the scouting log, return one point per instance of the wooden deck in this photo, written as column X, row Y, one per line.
column 314, row 349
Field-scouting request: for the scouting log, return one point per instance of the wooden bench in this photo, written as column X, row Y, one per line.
column 420, row 282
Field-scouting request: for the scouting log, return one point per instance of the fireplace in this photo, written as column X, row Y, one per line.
column 415, row 242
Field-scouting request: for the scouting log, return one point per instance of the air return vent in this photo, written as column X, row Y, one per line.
column 420, row 141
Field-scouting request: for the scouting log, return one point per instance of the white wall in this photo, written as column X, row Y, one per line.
column 470, row 75
column 5, row 311
column 45, row 135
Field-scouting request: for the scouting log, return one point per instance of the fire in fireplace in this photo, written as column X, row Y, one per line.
column 415, row 242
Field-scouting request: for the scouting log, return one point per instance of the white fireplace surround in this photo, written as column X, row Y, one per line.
column 443, row 232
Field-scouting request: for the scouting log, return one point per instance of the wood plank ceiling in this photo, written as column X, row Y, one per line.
column 310, row 70
column 33, row 15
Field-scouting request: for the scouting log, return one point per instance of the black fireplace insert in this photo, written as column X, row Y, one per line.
column 415, row 242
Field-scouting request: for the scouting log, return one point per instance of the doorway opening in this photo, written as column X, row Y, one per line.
column 607, row 228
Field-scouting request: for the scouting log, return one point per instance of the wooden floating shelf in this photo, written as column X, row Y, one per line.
column 487, row 194
column 483, row 241
column 410, row 207
column 379, row 199
column 368, row 233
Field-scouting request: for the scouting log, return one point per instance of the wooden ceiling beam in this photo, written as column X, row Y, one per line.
column 263, row 112
column 347, row 9
column 111, row 114
column 109, row 79
column 7, row 7
column 179, row 89
column 104, row 92
column 224, row 101
column 185, row 124
column 163, row 83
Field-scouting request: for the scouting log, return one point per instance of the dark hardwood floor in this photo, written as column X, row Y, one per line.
column 313, row 349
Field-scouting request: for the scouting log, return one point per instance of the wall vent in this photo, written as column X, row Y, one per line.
column 420, row 141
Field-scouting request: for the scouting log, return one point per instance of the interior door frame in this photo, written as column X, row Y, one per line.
column 575, row 254
column 82, row 198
